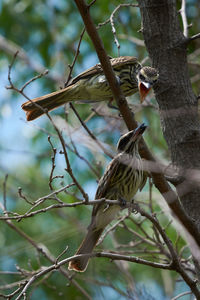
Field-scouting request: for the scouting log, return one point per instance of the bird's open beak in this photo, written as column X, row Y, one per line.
column 144, row 88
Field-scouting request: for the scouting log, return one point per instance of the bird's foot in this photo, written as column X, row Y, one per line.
column 110, row 105
column 122, row 202
column 134, row 208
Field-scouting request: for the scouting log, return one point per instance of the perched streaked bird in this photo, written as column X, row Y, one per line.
column 92, row 86
column 123, row 177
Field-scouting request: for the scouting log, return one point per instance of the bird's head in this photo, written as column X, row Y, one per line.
column 147, row 76
column 129, row 141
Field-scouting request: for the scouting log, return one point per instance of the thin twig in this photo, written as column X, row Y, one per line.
column 4, row 192
column 75, row 58
column 33, row 79
column 184, row 18
column 113, row 25
column 111, row 228
column 114, row 12
column 61, row 254
column 31, row 213
column 45, row 252
column 11, row 48
column 53, row 157
column 21, row 195
column 181, row 295
column 194, row 37
column 89, row 132
column 75, row 150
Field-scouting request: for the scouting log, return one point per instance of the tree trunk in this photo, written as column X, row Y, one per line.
column 167, row 47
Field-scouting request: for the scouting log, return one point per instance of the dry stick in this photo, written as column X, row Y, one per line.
column 176, row 264
column 33, row 79
column 103, row 254
column 184, row 18
column 111, row 228
column 10, row 296
column 21, row 195
column 115, row 256
column 15, row 284
column 21, row 91
column 100, row 254
column 75, row 58
column 53, row 165
column 49, row 257
column 159, row 180
column 75, row 151
column 194, row 37
column 4, row 192
column 42, row 199
column 68, row 169
column 89, row 132
column 72, row 149
column 114, row 12
column 181, row 295
column 113, row 25
column 11, row 48
column 31, row 213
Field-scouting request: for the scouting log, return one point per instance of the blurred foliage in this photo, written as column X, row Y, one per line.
column 48, row 31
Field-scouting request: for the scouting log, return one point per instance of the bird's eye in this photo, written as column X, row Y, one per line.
column 142, row 77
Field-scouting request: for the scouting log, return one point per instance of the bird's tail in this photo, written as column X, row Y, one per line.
column 36, row 107
column 86, row 247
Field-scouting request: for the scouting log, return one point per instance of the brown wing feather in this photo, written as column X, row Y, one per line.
column 105, row 183
column 116, row 63
column 123, row 60
column 108, row 179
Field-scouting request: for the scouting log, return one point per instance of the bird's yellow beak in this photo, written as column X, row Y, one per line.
column 144, row 88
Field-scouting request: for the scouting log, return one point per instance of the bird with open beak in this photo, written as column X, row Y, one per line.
column 92, row 86
column 147, row 76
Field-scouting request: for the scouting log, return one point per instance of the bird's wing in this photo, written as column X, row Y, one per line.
column 123, row 60
column 107, row 181
column 97, row 69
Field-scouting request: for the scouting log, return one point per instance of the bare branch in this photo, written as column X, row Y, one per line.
column 112, row 22
column 184, row 18
column 90, row 133
column 51, row 177
column 45, row 252
column 181, row 295
column 33, row 79
column 21, row 195
column 75, row 58
column 4, row 192
column 194, row 37
column 12, row 48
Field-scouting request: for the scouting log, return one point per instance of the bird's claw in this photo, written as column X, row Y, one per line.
column 135, row 208
column 122, row 202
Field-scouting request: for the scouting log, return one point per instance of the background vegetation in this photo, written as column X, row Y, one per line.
column 46, row 34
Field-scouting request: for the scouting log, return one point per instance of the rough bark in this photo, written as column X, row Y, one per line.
column 167, row 47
